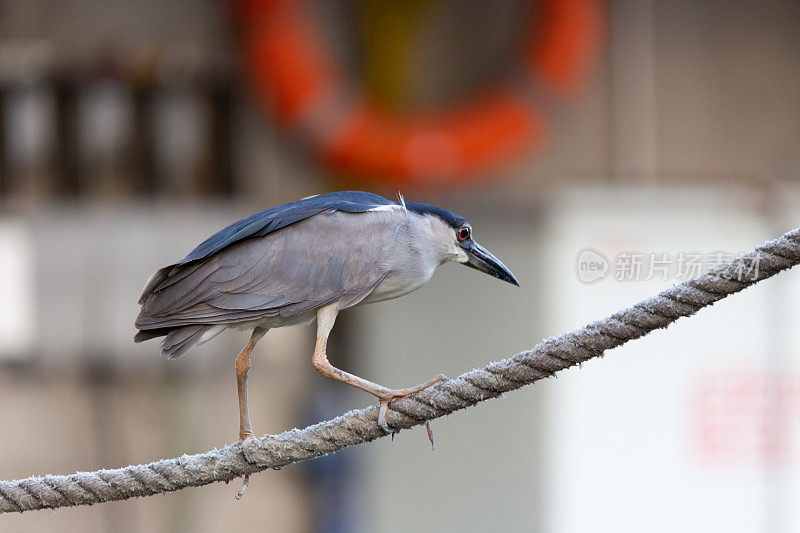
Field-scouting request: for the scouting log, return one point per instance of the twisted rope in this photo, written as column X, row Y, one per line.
column 359, row 426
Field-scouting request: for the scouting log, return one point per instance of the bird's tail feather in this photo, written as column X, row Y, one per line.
column 179, row 340
column 146, row 335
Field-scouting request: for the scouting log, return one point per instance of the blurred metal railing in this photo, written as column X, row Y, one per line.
column 120, row 129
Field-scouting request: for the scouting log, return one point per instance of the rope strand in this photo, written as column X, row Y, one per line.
column 359, row 426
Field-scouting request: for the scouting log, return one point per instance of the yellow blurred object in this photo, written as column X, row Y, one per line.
column 389, row 29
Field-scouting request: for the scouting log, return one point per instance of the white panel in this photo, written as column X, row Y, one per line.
column 784, row 470
column 665, row 434
column 94, row 266
column 16, row 291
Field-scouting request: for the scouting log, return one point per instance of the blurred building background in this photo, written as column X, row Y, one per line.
column 131, row 131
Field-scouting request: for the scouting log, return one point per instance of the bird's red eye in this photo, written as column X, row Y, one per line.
column 463, row 234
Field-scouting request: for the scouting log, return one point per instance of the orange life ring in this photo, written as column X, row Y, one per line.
column 301, row 84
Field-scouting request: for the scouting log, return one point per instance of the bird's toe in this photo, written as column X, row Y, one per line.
column 382, row 410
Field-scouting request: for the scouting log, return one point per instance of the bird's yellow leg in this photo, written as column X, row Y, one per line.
column 242, row 367
column 326, row 316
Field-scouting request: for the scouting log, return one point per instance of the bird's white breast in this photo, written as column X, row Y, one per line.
column 399, row 283
column 420, row 246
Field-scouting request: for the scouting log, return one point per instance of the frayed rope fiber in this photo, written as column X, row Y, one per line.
column 356, row 427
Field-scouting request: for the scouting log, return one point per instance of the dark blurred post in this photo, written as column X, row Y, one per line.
column 334, row 477
column 142, row 155
column 3, row 144
column 66, row 171
column 217, row 179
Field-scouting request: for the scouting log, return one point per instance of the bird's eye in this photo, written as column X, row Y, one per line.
column 463, row 234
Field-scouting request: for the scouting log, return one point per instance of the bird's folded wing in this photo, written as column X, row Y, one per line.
column 331, row 256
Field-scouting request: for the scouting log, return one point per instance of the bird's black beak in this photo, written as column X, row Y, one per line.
column 482, row 259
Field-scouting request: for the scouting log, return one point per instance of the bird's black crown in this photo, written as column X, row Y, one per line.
column 424, row 209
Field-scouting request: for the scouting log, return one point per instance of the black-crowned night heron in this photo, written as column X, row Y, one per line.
column 304, row 260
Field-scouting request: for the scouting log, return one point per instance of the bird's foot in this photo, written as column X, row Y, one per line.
column 246, row 438
column 402, row 393
column 430, row 435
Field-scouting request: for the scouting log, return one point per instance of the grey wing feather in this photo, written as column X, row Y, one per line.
column 179, row 340
column 262, row 224
column 332, row 256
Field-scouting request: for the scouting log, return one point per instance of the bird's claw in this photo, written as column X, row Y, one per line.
column 430, row 434
column 382, row 410
column 245, row 484
column 246, row 441
column 402, row 393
